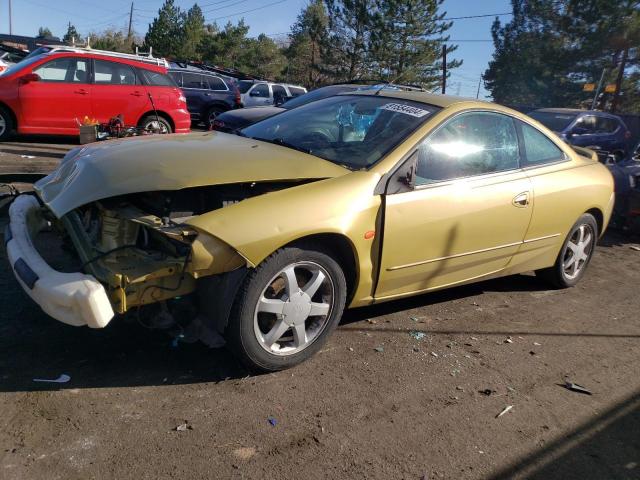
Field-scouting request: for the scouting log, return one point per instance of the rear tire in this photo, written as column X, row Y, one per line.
column 153, row 123
column 6, row 124
column 212, row 114
column 287, row 308
column 575, row 254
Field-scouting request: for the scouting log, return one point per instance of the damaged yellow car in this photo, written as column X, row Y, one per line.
column 264, row 238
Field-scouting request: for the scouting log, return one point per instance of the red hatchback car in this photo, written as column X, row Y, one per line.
column 50, row 92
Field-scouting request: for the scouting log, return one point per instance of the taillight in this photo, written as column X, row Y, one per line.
column 627, row 135
column 218, row 124
column 238, row 97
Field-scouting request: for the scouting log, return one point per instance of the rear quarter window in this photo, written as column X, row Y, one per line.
column 295, row 91
column 156, row 79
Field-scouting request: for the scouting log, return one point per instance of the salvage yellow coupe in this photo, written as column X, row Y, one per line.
column 263, row 238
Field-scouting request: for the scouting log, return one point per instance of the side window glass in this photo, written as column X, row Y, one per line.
column 177, row 77
column 112, row 73
column 538, row 149
column 64, row 70
column 261, row 90
column 216, row 83
column 588, row 124
column 474, row 143
column 191, row 80
column 606, row 125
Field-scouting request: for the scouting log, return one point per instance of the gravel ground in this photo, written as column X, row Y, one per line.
column 381, row 401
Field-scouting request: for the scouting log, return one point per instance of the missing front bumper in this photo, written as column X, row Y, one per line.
column 73, row 298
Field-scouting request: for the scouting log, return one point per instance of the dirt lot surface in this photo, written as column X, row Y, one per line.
column 381, row 401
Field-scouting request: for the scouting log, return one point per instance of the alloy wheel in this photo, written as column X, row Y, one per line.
column 294, row 308
column 3, row 124
column 578, row 251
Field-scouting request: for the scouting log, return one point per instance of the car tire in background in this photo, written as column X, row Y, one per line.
column 151, row 122
column 287, row 308
column 212, row 114
column 6, row 124
column 575, row 254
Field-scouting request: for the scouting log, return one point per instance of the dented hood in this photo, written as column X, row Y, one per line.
column 172, row 162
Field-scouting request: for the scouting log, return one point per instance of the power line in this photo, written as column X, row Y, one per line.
column 249, row 11
column 478, row 16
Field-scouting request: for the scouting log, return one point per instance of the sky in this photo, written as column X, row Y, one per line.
column 273, row 17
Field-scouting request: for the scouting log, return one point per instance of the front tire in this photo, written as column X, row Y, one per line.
column 575, row 254
column 287, row 308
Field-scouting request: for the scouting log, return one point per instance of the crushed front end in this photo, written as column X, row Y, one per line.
column 129, row 257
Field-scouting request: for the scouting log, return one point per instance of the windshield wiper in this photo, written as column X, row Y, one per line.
column 282, row 142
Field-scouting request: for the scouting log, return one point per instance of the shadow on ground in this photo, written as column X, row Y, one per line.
column 607, row 447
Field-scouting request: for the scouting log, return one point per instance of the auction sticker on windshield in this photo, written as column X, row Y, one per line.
column 406, row 109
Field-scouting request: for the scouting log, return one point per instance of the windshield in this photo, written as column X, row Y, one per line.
column 318, row 94
column 22, row 64
column 244, row 85
column 553, row 120
column 354, row 131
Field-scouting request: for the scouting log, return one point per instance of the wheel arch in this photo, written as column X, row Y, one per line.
column 162, row 114
column 599, row 216
column 10, row 111
column 341, row 249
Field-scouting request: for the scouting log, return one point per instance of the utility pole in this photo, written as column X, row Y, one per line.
column 623, row 64
column 130, row 21
column 10, row 20
column 444, row 69
column 478, row 92
column 595, row 97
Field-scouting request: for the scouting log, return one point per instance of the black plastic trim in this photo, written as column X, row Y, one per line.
column 28, row 276
column 7, row 234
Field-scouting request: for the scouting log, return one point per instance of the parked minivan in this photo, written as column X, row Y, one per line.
column 50, row 93
column 208, row 94
column 259, row 93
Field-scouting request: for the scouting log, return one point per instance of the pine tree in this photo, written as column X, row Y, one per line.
column 165, row 32
column 307, row 50
column 407, row 39
column 350, row 24
column 72, row 35
column 44, row 32
column 193, row 31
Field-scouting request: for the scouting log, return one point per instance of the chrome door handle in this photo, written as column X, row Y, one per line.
column 521, row 200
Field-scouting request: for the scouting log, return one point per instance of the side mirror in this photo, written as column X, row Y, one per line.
column 30, row 77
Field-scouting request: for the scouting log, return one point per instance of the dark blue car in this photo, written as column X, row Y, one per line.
column 208, row 94
column 605, row 133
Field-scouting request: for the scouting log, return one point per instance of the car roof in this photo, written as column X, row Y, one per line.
column 137, row 62
column 576, row 111
column 435, row 99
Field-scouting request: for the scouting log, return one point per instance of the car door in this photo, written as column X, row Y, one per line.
column 466, row 213
column 59, row 98
column 258, row 95
column 117, row 90
column 280, row 94
column 196, row 92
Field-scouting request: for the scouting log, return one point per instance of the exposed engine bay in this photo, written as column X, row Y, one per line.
column 141, row 247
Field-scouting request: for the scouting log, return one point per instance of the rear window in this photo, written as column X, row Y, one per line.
column 556, row 122
column 216, row 83
column 177, row 77
column 244, row 85
column 156, row 79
